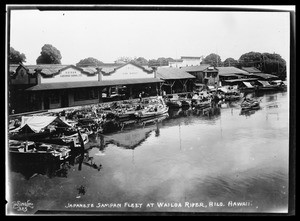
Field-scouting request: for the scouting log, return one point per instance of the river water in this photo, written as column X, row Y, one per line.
column 220, row 161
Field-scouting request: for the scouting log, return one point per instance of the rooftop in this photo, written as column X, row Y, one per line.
column 251, row 69
column 240, row 80
column 228, row 71
column 62, row 85
column 176, row 60
column 264, row 75
column 172, row 73
column 190, row 57
column 113, row 68
column 195, row 68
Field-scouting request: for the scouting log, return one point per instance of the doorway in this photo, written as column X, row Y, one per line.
column 64, row 99
column 46, row 101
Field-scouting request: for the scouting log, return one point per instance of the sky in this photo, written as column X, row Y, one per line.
column 108, row 35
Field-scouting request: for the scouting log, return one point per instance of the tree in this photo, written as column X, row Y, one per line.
column 251, row 59
column 170, row 59
column 163, row 61
column 15, row 57
column 230, row 62
column 90, row 61
column 49, row 55
column 212, row 59
column 141, row 61
column 153, row 62
column 273, row 64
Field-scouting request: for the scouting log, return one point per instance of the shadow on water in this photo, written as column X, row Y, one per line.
column 52, row 168
column 209, row 113
column 248, row 113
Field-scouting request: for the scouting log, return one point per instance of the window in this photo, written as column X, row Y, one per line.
column 85, row 94
column 54, row 98
column 93, row 94
column 214, row 74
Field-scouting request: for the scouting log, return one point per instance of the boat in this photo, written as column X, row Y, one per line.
column 250, row 104
column 155, row 109
column 152, row 112
column 47, row 129
column 200, row 102
column 247, row 87
column 175, row 101
column 126, row 115
column 281, row 86
column 37, row 151
column 265, row 85
column 229, row 93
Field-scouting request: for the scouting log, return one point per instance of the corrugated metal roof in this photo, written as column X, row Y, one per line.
column 248, row 85
column 90, row 70
column 107, row 65
column 108, row 70
column 240, row 79
column 172, row 73
column 251, row 69
column 226, row 71
column 176, row 60
column 65, row 85
column 228, row 75
column 195, row 68
column 111, row 69
column 50, row 69
column 265, row 76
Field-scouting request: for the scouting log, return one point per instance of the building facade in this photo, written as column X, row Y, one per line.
column 205, row 74
column 43, row 87
column 185, row 61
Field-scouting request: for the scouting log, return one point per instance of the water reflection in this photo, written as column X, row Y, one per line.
column 53, row 168
column 247, row 113
column 193, row 155
column 211, row 112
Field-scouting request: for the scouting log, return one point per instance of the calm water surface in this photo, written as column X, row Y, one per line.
column 217, row 159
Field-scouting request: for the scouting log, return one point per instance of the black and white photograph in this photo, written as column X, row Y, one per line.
column 160, row 110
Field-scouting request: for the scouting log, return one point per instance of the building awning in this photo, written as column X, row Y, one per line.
column 264, row 83
column 68, row 85
column 248, row 85
column 240, row 80
column 228, row 75
column 265, row 76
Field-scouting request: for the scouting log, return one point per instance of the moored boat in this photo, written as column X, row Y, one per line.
column 250, row 104
column 156, row 109
column 266, row 86
column 47, row 129
column 29, row 150
column 229, row 93
column 176, row 101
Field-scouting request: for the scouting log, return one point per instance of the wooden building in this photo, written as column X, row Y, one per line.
column 175, row 80
column 43, row 87
column 205, row 74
